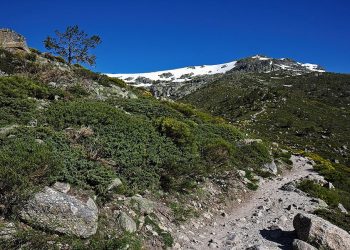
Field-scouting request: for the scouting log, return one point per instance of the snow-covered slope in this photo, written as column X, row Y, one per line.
column 258, row 63
column 178, row 75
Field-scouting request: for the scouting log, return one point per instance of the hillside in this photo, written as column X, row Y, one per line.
column 88, row 161
column 308, row 113
column 178, row 83
column 83, row 156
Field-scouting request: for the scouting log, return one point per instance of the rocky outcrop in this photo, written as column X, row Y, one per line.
column 270, row 167
column 60, row 212
column 12, row 41
column 126, row 223
column 263, row 64
column 141, row 204
column 320, row 233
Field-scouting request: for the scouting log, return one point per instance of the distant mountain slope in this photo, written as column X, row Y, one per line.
column 309, row 111
column 256, row 63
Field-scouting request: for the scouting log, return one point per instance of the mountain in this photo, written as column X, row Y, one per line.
column 177, row 83
column 90, row 162
column 298, row 105
column 258, row 64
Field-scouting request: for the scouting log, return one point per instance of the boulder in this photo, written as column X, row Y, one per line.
column 115, row 183
column 126, row 223
column 270, row 167
column 142, row 205
column 12, row 41
column 342, row 208
column 302, row 245
column 59, row 212
column 62, row 187
column 320, row 233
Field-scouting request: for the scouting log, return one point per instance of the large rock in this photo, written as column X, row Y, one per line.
column 142, row 205
column 59, row 212
column 126, row 223
column 12, row 41
column 270, row 167
column 302, row 245
column 320, row 233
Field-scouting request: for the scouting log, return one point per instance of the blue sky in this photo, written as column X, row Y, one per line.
column 149, row 35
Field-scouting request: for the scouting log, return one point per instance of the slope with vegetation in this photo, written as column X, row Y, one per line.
column 61, row 123
column 309, row 113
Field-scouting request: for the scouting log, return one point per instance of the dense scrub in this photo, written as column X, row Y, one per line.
column 309, row 113
column 50, row 134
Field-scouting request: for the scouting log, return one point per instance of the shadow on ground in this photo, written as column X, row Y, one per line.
column 283, row 238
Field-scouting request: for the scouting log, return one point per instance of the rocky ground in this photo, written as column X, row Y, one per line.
column 264, row 220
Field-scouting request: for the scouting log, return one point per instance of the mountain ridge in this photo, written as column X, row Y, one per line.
column 257, row 64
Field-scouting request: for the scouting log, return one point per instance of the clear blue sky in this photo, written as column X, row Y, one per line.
column 149, row 35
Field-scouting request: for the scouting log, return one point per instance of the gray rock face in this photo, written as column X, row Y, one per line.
column 126, row 223
column 302, row 245
column 115, row 183
column 320, row 233
column 142, row 205
column 12, row 41
column 270, row 167
column 342, row 208
column 62, row 187
column 59, row 212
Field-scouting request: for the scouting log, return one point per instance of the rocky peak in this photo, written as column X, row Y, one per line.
column 264, row 64
column 12, row 41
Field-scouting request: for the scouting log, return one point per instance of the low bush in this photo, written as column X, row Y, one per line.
column 177, row 130
column 337, row 218
column 25, row 165
column 330, row 196
column 217, row 153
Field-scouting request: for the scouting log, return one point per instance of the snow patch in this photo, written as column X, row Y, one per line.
column 179, row 75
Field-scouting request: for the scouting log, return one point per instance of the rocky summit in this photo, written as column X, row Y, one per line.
column 180, row 82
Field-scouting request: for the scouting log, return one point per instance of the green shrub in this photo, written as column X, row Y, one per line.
column 78, row 90
column 331, row 197
column 217, row 152
column 337, row 218
column 181, row 212
column 16, row 111
column 253, row 155
column 25, row 165
column 11, row 63
column 31, row 57
column 19, row 87
column 177, row 130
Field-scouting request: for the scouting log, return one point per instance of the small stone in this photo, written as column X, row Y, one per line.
column 39, row 141
column 62, row 187
column 342, row 208
column 115, row 183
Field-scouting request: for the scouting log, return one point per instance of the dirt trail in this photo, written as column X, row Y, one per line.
column 264, row 221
